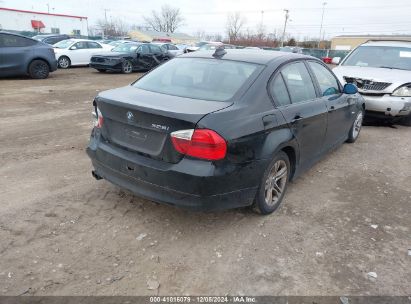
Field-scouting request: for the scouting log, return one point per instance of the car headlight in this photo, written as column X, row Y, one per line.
column 404, row 91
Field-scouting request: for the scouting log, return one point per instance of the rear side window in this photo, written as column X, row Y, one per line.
column 15, row 41
column 299, row 83
column 279, row 91
column 93, row 45
column 326, row 80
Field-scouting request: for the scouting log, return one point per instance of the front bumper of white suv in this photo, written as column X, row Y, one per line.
column 387, row 105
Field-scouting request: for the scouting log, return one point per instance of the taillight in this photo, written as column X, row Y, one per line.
column 98, row 118
column 199, row 143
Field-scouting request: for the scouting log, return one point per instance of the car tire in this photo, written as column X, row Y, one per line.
column 39, row 69
column 406, row 121
column 356, row 128
column 64, row 62
column 101, row 70
column 269, row 196
column 127, row 67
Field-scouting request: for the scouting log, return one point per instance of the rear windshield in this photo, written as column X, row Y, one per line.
column 380, row 57
column 208, row 79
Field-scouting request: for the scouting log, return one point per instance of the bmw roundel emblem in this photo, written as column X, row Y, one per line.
column 130, row 116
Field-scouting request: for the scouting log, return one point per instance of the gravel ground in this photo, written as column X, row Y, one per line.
column 344, row 226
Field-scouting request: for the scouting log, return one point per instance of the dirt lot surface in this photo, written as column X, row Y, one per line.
column 62, row 232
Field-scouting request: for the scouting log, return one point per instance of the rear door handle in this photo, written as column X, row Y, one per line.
column 296, row 118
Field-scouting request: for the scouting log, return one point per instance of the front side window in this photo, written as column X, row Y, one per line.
column 198, row 78
column 155, row 49
column 279, row 91
column 299, row 82
column 390, row 57
column 326, row 80
column 144, row 49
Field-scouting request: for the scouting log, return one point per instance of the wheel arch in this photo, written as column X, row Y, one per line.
column 63, row 55
column 292, row 157
column 37, row 58
column 283, row 140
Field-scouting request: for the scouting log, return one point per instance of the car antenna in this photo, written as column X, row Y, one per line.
column 219, row 52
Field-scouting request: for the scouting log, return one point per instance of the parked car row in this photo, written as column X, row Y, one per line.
column 129, row 57
column 380, row 69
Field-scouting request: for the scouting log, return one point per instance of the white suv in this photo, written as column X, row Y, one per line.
column 382, row 72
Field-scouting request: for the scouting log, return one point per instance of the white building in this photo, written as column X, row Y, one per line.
column 20, row 20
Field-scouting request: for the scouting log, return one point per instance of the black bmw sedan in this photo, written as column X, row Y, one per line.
column 221, row 130
column 129, row 57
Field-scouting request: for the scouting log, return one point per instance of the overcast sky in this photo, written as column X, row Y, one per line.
column 341, row 16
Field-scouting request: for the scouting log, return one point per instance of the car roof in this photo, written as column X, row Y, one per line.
column 77, row 40
column 50, row 35
column 249, row 55
column 392, row 43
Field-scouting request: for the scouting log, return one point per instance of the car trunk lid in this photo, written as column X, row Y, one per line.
column 141, row 121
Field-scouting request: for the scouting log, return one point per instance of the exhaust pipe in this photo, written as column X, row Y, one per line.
column 95, row 175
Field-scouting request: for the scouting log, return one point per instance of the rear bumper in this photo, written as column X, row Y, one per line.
column 193, row 184
column 387, row 105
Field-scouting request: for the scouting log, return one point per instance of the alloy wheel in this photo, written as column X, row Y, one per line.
column 276, row 182
column 127, row 67
column 41, row 70
column 64, row 62
column 357, row 125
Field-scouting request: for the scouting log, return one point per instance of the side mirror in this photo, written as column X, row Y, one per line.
column 73, row 48
column 336, row 60
column 350, row 89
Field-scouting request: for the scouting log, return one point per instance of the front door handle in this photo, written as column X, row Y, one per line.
column 296, row 118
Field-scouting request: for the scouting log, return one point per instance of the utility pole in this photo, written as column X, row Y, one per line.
column 105, row 25
column 287, row 15
column 48, row 8
column 322, row 20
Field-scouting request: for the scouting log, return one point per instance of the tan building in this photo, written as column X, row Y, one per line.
column 142, row 35
column 349, row 42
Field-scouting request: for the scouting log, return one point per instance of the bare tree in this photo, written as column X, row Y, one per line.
column 200, row 34
column 168, row 20
column 235, row 23
column 260, row 31
column 114, row 27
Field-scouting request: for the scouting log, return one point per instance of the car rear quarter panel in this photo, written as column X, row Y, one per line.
column 248, row 138
column 44, row 53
